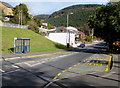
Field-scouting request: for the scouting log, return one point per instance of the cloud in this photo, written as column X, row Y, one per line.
column 85, row 1
column 50, row 6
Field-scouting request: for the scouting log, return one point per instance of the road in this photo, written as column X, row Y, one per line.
column 59, row 70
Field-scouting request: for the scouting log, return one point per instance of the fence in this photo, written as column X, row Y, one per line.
column 15, row 25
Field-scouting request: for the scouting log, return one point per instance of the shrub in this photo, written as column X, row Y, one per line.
column 33, row 26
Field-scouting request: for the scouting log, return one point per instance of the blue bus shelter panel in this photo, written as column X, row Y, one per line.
column 26, row 48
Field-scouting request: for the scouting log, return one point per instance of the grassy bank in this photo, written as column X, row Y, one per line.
column 37, row 43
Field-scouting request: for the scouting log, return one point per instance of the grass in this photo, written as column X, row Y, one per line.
column 37, row 43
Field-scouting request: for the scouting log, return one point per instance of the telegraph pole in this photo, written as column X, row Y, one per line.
column 68, row 33
column 20, row 17
column 92, row 33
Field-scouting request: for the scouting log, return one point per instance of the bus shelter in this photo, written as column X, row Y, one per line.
column 21, row 45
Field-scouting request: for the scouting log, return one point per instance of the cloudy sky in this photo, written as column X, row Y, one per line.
column 49, row 6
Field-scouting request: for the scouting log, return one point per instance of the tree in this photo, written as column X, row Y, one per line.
column 33, row 26
column 21, row 14
column 37, row 21
column 106, row 23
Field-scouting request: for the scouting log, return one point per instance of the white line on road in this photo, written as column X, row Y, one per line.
column 15, row 66
column 27, row 64
column 108, row 74
column 12, row 71
column 31, row 65
column 2, row 70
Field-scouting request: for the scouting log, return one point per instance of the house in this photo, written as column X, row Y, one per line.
column 6, row 9
column 64, row 35
column 1, row 23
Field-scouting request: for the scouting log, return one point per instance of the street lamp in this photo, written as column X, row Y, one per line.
column 20, row 15
column 68, row 19
column 68, row 33
column 92, row 34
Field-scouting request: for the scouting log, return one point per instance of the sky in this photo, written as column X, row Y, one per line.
column 37, row 7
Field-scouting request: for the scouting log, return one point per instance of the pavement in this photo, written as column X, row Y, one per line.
column 11, row 56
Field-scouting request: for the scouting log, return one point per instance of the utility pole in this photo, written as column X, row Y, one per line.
column 67, row 19
column 68, row 33
column 20, row 17
column 92, row 33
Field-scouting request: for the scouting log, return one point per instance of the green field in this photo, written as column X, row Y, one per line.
column 37, row 43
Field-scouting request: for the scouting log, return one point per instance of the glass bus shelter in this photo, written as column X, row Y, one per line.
column 21, row 45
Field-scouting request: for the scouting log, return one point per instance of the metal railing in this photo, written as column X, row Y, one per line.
column 15, row 25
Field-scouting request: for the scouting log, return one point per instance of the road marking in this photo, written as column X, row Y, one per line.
column 59, row 74
column 64, row 70
column 74, row 65
column 11, row 71
column 35, row 64
column 108, row 74
column 31, row 65
column 15, row 66
column 27, row 64
column 2, row 70
column 90, row 61
column 55, row 78
column 31, row 56
column 42, row 55
column 70, row 68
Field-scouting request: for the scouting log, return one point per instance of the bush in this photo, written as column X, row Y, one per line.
column 89, row 39
column 33, row 26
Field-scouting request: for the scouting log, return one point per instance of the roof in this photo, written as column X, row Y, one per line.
column 7, row 4
column 22, row 38
column 52, row 30
column 72, row 29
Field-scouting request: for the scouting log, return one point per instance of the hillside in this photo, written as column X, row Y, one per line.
column 38, row 43
column 79, row 17
column 42, row 16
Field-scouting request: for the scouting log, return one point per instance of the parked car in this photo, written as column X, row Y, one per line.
column 82, row 45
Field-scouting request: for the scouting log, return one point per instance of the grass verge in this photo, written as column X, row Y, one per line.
column 37, row 43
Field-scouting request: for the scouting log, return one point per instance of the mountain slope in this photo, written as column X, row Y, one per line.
column 42, row 16
column 78, row 18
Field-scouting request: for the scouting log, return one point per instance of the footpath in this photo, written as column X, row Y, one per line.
column 12, row 56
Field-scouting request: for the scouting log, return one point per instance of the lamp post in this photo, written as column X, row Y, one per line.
column 68, row 33
column 68, row 19
column 20, row 16
column 92, row 34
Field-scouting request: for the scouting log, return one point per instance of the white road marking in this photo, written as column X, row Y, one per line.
column 12, row 71
column 2, row 70
column 15, row 66
column 108, row 74
column 31, row 65
column 27, row 64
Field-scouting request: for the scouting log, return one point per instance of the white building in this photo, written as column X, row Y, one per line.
column 64, row 36
column 1, row 23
